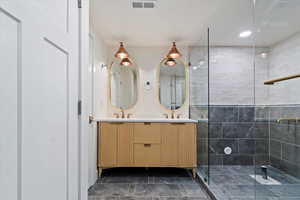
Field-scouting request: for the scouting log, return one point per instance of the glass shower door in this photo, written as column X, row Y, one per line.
column 278, row 99
column 232, row 103
column 199, row 100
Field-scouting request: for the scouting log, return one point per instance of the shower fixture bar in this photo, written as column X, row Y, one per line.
column 271, row 82
column 288, row 119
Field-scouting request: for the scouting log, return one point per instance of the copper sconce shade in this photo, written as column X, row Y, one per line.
column 170, row 62
column 121, row 53
column 174, row 53
column 126, row 62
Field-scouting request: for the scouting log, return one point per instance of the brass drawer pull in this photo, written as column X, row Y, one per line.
column 116, row 122
column 147, row 145
column 147, row 123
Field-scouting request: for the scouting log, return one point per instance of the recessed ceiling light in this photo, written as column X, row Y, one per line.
column 245, row 34
column 195, row 68
column 264, row 55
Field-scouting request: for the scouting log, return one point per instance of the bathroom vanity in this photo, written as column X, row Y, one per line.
column 147, row 143
column 169, row 142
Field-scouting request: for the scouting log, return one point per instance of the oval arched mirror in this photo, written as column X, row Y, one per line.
column 172, row 83
column 123, row 85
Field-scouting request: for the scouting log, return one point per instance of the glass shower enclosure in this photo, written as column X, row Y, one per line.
column 278, row 97
column 245, row 94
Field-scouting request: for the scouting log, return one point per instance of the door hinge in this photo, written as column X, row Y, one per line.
column 79, row 3
column 79, row 107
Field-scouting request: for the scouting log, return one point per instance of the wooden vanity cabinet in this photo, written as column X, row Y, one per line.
column 114, row 144
column 147, row 145
column 107, row 144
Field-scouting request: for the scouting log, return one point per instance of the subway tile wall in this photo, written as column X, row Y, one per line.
column 284, row 61
column 230, row 78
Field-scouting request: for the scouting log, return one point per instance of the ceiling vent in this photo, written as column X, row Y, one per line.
column 143, row 4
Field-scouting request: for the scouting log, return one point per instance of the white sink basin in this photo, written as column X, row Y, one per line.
column 146, row 120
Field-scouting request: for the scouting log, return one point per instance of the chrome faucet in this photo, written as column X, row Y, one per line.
column 166, row 115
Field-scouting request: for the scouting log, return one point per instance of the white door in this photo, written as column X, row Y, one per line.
column 39, row 137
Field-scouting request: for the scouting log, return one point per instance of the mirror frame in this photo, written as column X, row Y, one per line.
column 109, row 86
column 186, row 70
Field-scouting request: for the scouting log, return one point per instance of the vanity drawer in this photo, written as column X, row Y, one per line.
column 146, row 155
column 147, row 133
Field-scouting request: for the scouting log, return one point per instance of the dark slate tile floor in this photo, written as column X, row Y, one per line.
column 235, row 183
column 147, row 184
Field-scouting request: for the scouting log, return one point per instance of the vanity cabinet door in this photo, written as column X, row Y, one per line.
column 125, row 149
column 169, row 144
column 187, row 143
column 108, row 144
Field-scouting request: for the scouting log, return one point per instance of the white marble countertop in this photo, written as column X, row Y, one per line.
column 132, row 120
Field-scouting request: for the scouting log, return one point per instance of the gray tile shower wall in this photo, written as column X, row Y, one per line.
column 285, row 138
column 253, row 133
column 235, row 127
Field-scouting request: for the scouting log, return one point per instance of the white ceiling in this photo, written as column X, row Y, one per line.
column 186, row 22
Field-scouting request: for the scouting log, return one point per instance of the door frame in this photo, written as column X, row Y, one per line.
column 83, row 98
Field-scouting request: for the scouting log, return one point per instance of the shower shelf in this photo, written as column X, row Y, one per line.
column 288, row 119
column 271, row 82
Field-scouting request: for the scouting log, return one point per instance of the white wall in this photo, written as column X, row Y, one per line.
column 147, row 60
